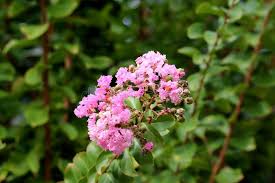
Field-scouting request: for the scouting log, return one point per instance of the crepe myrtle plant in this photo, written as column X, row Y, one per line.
column 146, row 101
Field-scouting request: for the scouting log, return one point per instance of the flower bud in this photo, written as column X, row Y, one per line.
column 132, row 68
column 188, row 100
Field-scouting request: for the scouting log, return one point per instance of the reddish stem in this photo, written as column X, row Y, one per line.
column 46, row 96
column 234, row 117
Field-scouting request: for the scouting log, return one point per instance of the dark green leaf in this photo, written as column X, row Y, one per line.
column 7, row 72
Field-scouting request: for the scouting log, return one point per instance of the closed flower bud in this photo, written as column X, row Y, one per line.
column 188, row 100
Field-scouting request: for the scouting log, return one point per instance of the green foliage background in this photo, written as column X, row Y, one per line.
column 88, row 38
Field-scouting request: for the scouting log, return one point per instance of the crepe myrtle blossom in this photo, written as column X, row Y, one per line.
column 111, row 123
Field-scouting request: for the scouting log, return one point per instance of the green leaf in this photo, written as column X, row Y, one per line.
column 103, row 162
column 3, row 132
column 230, row 2
column 69, row 130
column 36, row 115
column 93, row 152
column 7, row 72
column 133, row 103
column 34, row 75
column 189, row 51
column 128, row 164
column 244, row 143
column 235, row 14
column 164, row 122
column 99, row 62
column 2, row 146
column 265, row 79
column 152, row 133
column 241, row 61
column 81, row 161
column 33, row 31
column 195, row 31
column 229, row 175
column 207, row 8
column 106, row 178
column 62, row 8
column 183, row 156
column 17, row 7
column 215, row 122
column 72, row 174
column 193, row 81
column 257, row 110
column 33, row 161
column 15, row 43
column 210, row 37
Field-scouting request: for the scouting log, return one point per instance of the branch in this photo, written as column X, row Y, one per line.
column 46, row 97
column 233, row 119
column 209, row 59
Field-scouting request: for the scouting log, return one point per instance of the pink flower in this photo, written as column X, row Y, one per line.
column 124, row 75
column 109, row 118
column 170, row 91
column 104, row 81
column 86, row 106
column 149, row 146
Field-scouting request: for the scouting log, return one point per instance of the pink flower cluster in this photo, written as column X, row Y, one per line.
column 109, row 119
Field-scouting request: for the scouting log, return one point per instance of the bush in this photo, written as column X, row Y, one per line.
column 52, row 53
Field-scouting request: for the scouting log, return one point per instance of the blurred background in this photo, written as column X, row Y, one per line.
column 53, row 51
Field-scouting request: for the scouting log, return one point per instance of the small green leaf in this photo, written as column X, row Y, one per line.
column 261, row 109
column 15, row 43
column 229, row 175
column 230, row 2
column 189, row 51
column 2, row 146
column 82, row 162
column 33, row 75
column 7, row 72
column 164, row 122
column 207, row 8
column 193, row 81
column 195, row 31
column 244, row 143
column 210, row 37
column 72, row 174
column 152, row 133
column 215, row 122
column 69, row 130
column 33, row 161
column 103, row 161
column 235, row 14
column 133, row 103
column 33, row 31
column 106, row 178
column 265, row 79
column 62, row 8
column 128, row 164
column 99, row 62
column 36, row 115
column 17, row 7
column 184, row 155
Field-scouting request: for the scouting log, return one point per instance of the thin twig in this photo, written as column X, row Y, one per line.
column 234, row 117
column 209, row 58
column 46, row 97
